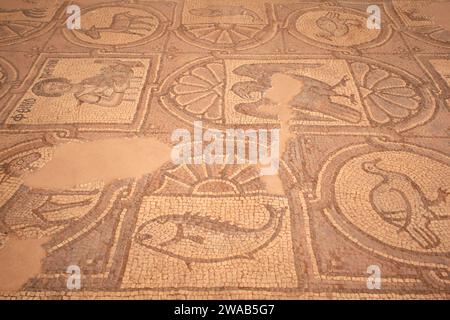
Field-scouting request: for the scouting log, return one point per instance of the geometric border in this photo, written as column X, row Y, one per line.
column 134, row 126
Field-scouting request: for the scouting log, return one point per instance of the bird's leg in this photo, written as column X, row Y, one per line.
column 341, row 83
column 35, row 12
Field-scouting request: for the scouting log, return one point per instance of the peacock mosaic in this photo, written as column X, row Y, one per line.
column 364, row 172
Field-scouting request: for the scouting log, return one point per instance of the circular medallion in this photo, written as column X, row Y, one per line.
column 336, row 28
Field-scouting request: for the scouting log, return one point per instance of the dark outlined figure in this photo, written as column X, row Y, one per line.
column 412, row 212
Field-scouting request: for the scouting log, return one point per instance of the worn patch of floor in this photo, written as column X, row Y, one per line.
column 360, row 207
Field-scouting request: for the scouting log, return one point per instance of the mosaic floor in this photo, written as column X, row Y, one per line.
column 364, row 173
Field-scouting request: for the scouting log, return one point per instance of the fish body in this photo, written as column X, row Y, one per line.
column 198, row 239
column 220, row 11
